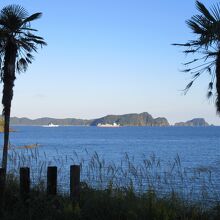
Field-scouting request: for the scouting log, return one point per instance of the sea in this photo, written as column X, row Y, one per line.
column 192, row 153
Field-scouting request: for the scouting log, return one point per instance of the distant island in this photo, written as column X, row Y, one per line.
column 134, row 119
column 142, row 119
column 194, row 122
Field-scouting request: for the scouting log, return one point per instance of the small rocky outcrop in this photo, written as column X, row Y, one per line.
column 196, row 122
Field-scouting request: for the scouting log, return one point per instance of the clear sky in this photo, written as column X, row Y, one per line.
column 111, row 57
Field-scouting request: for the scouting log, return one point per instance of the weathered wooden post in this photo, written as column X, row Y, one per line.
column 2, row 183
column 24, row 182
column 75, row 182
column 52, row 180
column 2, row 188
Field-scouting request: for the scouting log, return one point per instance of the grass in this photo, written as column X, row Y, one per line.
column 106, row 204
column 123, row 191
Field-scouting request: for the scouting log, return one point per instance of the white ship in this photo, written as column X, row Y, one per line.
column 114, row 125
column 51, row 125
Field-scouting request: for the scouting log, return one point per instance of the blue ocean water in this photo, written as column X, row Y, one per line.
column 196, row 146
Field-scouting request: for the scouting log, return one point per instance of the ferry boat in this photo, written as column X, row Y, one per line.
column 114, row 125
column 51, row 125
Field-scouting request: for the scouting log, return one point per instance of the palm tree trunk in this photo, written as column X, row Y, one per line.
column 218, row 82
column 6, row 138
column 8, row 80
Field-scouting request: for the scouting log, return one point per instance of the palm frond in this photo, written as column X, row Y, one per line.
column 32, row 17
column 30, row 56
column 28, row 60
column 186, row 70
column 15, row 21
column 201, row 7
column 28, row 29
column 25, row 45
column 209, row 94
column 14, row 10
column 189, row 51
column 182, row 45
column 188, row 86
column 210, row 86
column 196, row 75
column 11, row 17
column 195, row 27
column 190, row 62
column 30, row 35
column 215, row 9
column 39, row 42
column 22, row 65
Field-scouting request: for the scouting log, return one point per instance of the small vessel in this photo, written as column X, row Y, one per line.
column 51, row 125
column 114, row 125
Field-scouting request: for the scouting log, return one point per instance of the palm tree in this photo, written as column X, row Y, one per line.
column 205, row 48
column 17, row 42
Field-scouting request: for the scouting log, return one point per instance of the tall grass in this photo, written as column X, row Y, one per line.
column 147, row 174
column 147, row 189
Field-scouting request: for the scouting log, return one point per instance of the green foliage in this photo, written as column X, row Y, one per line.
column 105, row 204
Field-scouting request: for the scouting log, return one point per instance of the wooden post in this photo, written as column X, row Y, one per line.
column 75, row 182
column 2, row 179
column 51, row 180
column 2, row 183
column 2, row 189
column 24, row 182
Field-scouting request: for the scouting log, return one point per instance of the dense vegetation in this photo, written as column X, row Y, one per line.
column 108, row 204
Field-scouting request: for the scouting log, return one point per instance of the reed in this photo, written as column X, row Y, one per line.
column 148, row 173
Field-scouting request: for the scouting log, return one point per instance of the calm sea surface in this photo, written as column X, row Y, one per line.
column 197, row 147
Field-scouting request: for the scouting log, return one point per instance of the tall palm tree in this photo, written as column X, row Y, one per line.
column 205, row 48
column 17, row 42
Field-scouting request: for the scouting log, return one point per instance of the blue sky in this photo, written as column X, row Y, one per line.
column 111, row 57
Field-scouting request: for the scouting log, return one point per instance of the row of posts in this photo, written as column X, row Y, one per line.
column 51, row 181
